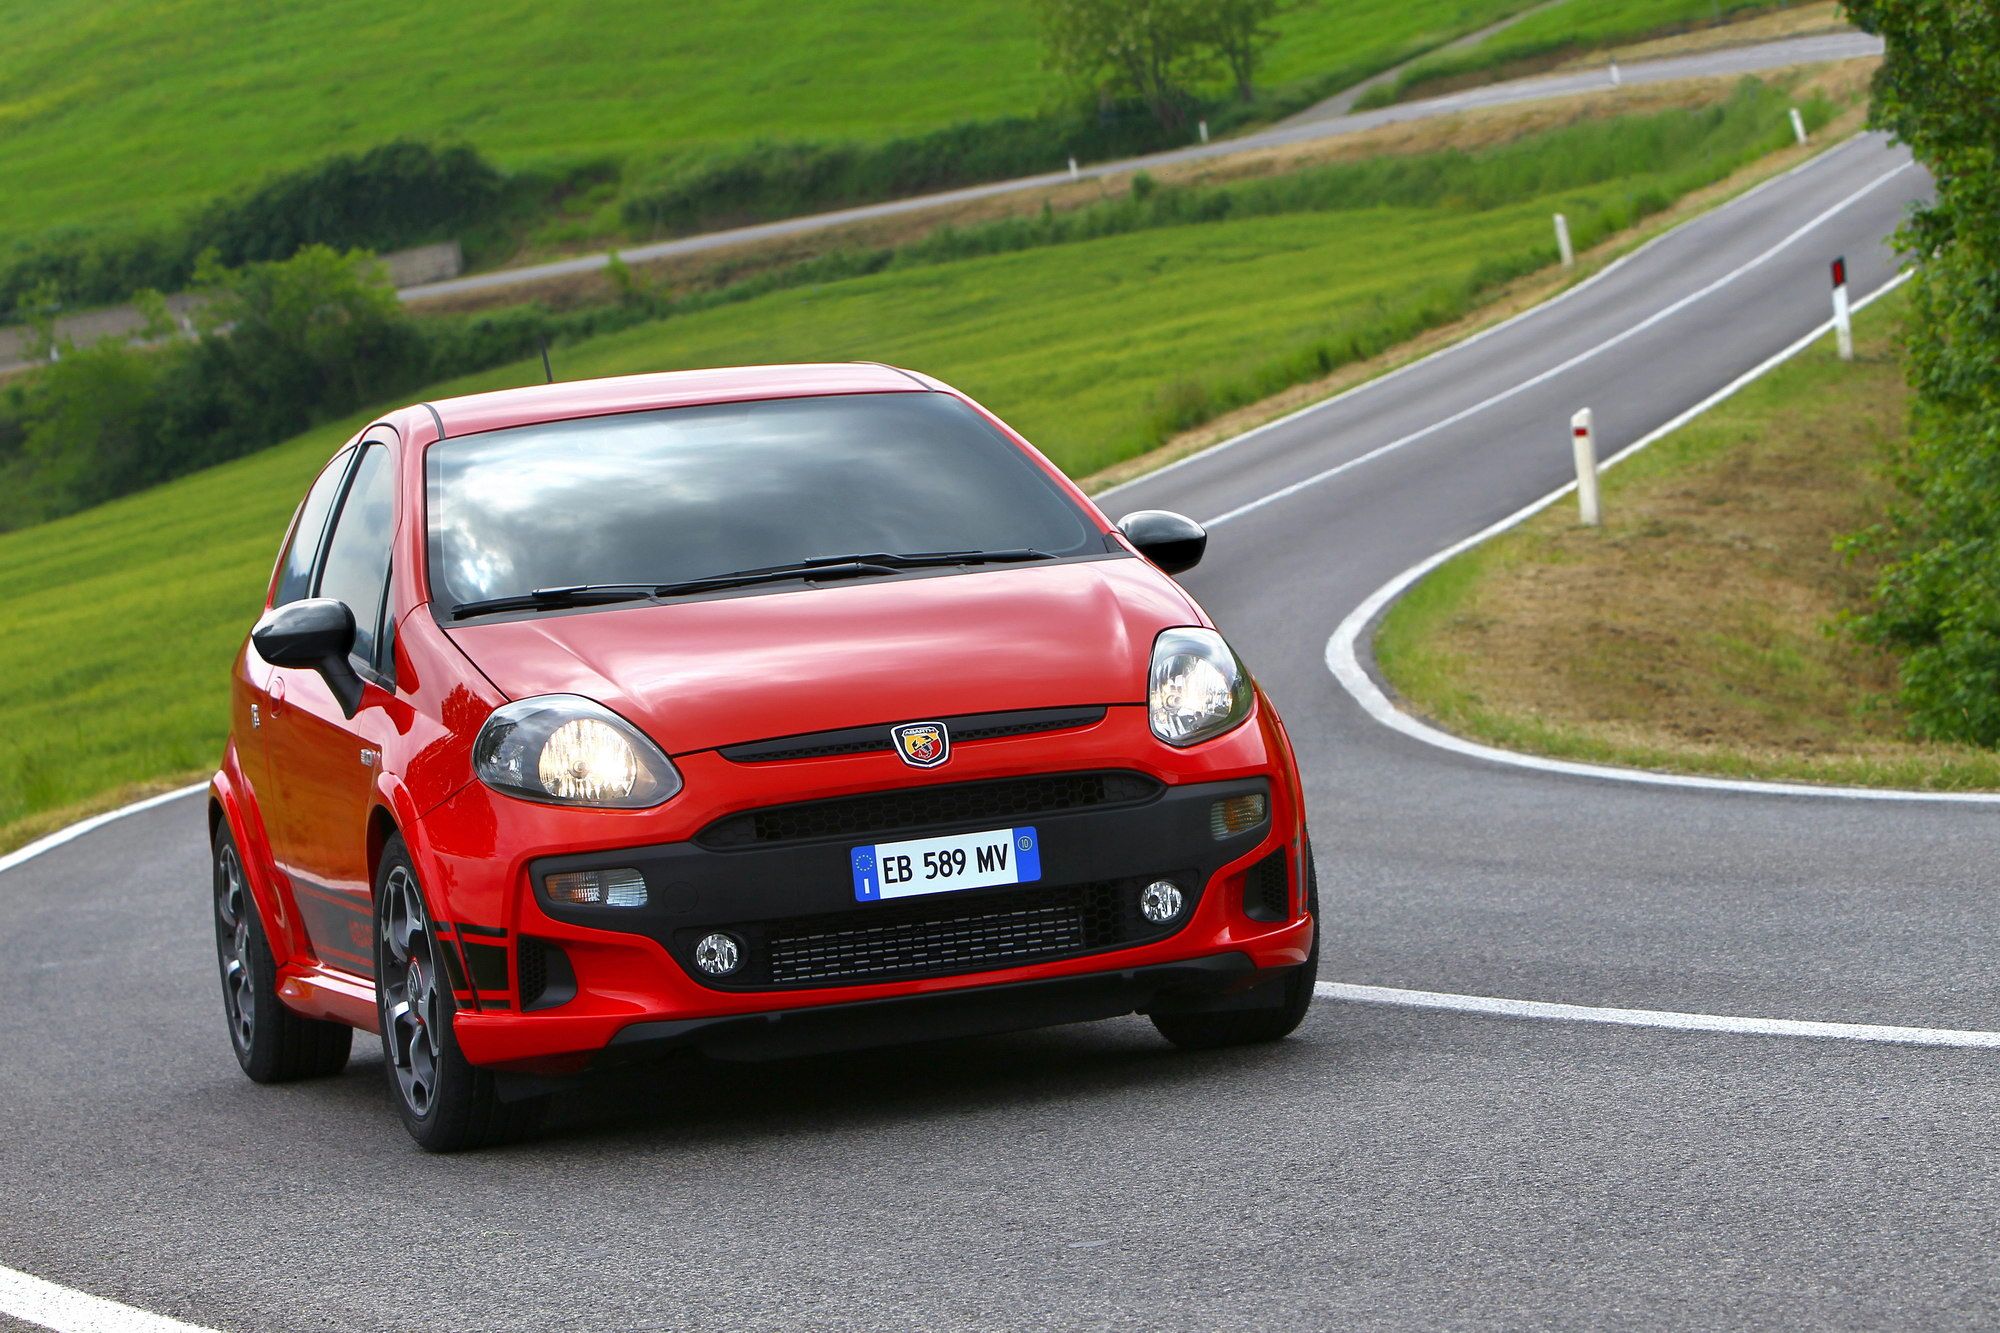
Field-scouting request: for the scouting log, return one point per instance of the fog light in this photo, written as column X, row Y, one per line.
column 718, row 955
column 623, row 887
column 1228, row 818
column 1161, row 901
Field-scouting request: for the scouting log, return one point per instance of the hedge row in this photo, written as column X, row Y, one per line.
column 396, row 195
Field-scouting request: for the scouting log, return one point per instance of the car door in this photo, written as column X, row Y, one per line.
column 256, row 689
column 322, row 762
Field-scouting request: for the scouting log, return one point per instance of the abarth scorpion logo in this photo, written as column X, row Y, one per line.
column 921, row 744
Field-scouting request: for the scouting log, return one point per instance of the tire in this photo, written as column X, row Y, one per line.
column 273, row 1044
column 1251, row 1027
column 446, row 1103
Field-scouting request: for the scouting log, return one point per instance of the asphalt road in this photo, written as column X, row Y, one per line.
column 1386, row 1168
column 1327, row 121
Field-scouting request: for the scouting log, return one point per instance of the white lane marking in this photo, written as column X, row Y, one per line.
column 1549, row 374
column 1343, row 659
column 68, row 1311
column 81, row 827
column 1485, row 333
column 1655, row 1018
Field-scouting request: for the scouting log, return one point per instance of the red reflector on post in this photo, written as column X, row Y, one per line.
column 1840, row 272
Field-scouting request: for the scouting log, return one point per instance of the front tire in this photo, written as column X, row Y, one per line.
column 1250, row 1027
column 273, row 1044
column 447, row 1104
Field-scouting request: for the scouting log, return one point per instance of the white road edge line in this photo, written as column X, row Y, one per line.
column 1654, row 1018
column 1343, row 659
column 42, row 1302
column 1523, row 386
column 1485, row 333
column 81, row 827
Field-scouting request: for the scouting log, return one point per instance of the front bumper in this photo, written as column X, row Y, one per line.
column 553, row 989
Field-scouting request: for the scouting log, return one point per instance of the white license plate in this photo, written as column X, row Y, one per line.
column 945, row 865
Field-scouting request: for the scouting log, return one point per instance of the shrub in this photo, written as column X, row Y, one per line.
column 395, row 195
column 1938, row 600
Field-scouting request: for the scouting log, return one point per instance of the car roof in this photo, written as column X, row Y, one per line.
column 680, row 388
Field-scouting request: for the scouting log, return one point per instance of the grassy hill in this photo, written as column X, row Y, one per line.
column 125, row 111
column 122, row 619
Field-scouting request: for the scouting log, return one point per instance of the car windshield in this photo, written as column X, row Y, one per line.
column 688, row 493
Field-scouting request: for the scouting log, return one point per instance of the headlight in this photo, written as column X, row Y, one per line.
column 567, row 749
column 1197, row 687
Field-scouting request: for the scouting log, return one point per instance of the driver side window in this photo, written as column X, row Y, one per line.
column 357, row 558
column 296, row 565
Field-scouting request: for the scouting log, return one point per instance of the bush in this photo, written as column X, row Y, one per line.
column 770, row 180
column 1938, row 599
column 395, row 195
column 286, row 345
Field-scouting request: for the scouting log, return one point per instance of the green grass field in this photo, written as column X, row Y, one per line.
column 1570, row 28
column 123, row 618
column 124, row 111
column 1694, row 632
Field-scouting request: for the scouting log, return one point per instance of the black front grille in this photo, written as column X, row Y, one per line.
column 1267, row 889
column 927, row 807
column 1019, row 928
column 871, row 740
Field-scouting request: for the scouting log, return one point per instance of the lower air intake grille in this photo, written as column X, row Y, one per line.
column 1267, row 889
column 1021, row 928
column 533, row 963
column 999, row 802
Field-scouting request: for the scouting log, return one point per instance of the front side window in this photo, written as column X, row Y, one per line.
column 357, row 559
column 295, row 565
column 692, row 492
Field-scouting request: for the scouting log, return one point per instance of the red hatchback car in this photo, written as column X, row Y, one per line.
column 750, row 712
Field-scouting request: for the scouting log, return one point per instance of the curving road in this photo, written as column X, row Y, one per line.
column 1388, row 1167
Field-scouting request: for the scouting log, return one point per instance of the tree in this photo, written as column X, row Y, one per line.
column 1239, row 30
column 1153, row 50
column 1938, row 599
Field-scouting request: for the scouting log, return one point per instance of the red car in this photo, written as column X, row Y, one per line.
column 747, row 712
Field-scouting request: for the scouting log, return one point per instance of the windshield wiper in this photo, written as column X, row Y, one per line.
column 819, row 567
column 549, row 599
column 847, row 567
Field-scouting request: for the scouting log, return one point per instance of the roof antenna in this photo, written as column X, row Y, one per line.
column 546, row 370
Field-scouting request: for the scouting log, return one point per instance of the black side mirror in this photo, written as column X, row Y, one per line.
column 1171, row 541
column 317, row 634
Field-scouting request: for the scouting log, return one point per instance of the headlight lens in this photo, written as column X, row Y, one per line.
column 570, row 750
column 1198, row 688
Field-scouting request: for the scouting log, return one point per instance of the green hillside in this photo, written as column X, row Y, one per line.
column 125, row 111
column 122, row 618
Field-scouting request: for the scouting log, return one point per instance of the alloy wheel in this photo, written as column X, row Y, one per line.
column 409, row 982
column 232, row 947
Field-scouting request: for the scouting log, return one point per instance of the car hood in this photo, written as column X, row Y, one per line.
column 697, row 675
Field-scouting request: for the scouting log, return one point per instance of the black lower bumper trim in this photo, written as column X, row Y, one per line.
column 1222, row 979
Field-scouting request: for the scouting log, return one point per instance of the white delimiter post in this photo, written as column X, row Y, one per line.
column 1798, row 125
column 1583, row 436
column 1073, row 173
column 1562, row 242
column 1204, row 131
column 1843, row 314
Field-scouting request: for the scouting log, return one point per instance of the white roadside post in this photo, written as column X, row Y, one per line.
column 1843, row 314
column 1583, row 438
column 1617, row 79
column 1798, row 125
column 1074, row 174
column 1563, row 243
column 1204, row 131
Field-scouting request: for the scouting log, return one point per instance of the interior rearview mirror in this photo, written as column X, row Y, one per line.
column 316, row 634
column 1172, row 541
